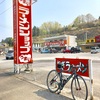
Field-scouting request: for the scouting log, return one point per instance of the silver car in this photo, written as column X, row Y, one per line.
column 10, row 54
column 95, row 49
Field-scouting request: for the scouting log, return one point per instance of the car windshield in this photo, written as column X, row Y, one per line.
column 10, row 51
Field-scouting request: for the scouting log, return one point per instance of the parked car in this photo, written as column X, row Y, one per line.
column 95, row 49
column 72, row 50
column 66, row 51
column 53, row 50
column 75, row 50
column 10, row 54
column 45, row 50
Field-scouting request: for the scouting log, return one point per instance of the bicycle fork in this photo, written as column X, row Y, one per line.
column 77, row 83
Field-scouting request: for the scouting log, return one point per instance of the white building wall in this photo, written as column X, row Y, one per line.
column 37, row 45
column 72, row 41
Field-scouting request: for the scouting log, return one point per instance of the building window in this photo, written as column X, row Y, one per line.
column 92, row 40
column 88, row 47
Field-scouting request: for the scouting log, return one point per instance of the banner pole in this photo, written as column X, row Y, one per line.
column 91, row 79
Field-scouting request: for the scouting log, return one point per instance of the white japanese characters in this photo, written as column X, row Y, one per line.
column 25, row 2
column 69, row 67
column 24, row 30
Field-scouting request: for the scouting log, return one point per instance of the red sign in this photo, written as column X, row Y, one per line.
column 22, row 31
column 56, row 43
column 81, row 66
column 97, row 39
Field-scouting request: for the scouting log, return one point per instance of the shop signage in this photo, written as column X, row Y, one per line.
column 56, row 43
column 22, row 31
column 81, row 66
column 97, row 38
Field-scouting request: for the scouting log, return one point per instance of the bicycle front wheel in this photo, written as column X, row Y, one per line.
column 53, row 80
column 79, row 88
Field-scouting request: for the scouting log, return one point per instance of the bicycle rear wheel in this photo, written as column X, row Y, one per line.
column 53, row 80
column 79, row 88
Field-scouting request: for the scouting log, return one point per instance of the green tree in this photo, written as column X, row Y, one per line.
column 50, row 28
column 82, row 20
column 9, row 41
column 89, row 18
column 36, row 31
column 99, row 18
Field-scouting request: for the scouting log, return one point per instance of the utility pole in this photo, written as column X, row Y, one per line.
column 86, row 35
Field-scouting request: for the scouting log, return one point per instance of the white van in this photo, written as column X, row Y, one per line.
column 95, row 49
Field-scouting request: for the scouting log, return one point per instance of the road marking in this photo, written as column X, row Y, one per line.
column 3, row 61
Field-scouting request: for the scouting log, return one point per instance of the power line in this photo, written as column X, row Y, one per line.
column 11, row 6
column 5, row 10
column 2, row 1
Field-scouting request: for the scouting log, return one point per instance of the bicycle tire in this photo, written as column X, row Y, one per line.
column 53, row 80
column 79, row 88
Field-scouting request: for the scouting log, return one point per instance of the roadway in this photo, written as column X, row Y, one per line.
column 34, row 87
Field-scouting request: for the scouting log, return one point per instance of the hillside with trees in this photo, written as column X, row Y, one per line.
column 81, row 26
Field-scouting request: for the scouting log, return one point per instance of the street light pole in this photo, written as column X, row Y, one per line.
column 86, row 35
column 34, row 1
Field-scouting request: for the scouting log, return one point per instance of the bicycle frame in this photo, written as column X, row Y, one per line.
column 57, row 81
column 63, row 82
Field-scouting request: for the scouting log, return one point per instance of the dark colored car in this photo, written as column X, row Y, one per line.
column 10, row 54
column 75, row 50
column 54, row 50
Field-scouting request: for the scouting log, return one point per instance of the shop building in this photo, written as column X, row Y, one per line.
column 59, row 42
column 91, row 43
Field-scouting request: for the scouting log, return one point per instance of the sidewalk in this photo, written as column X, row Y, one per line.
column 24, row 87
column 30, row 86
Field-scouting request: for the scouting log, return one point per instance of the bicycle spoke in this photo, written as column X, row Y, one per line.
column 53, row 81
column 79, row 88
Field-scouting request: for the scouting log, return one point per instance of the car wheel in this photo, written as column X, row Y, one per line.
column 6, row 58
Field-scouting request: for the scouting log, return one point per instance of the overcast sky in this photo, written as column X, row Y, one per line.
column 62, row 11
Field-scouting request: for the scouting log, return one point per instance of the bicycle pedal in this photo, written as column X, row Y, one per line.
column 59, row 91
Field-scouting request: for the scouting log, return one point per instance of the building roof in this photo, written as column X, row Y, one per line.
column 91, row 44
column 56, row 37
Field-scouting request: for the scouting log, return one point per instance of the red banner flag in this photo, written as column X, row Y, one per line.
column 22, row 31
